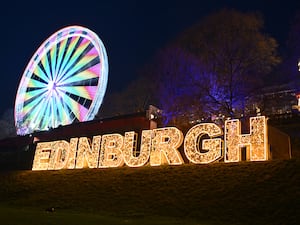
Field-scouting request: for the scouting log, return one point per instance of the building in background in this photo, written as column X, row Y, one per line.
column 279, row 101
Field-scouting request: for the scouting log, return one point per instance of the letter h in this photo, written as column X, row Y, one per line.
column 256, row 143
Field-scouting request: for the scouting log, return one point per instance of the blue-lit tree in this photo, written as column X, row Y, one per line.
column 235, row 53
column 176, row 73
column 182, row 87
column 208, row 70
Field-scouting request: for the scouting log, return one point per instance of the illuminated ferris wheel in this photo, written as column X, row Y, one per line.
column 64, row 82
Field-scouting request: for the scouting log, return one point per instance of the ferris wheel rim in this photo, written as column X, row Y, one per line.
column 66, row 33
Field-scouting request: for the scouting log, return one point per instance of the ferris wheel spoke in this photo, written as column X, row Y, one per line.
column 45, row 64
column 32, row 103
column 62, row 110
column 61, row 48
column 81, row 66
column 87, row 82
column 32, row 95
column 74, row 46
column 49, row 66
column 75, row 59
column 44, row 67
column 41, row 73
column 42, row 122
column 84, row 61
column 74, row 108
column 58, row 117
column 64, row 56
column 89, row 73
column 83, row 47
column 42, row 117
column 81, row 101
column 36, row 84
column 53, row 58
column 56, row 58
column 33, row 113
column 71, row 115
column 81, row 91
column 38, row 78
column 58, row 110
column 34, row 90
column 88, row 76
column 69, row 52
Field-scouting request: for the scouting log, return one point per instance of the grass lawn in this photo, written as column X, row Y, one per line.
column 30, row 216
column 219, row 193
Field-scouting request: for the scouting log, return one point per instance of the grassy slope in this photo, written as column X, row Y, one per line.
column 220, row 193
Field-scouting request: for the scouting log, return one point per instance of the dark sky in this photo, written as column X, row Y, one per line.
column 132, row 31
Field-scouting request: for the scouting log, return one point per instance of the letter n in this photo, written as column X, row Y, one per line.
column 87, row 154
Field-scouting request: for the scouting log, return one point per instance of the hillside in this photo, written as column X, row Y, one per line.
column 219, row 193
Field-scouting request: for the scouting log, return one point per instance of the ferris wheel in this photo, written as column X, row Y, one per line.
column 64, row 82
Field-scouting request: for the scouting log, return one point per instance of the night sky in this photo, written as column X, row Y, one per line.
column 132, row 31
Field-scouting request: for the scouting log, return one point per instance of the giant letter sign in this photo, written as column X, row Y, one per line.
column 132, row 157
column 165, row 143
column 202, row 145
column 87, row 156
column 256, row 141
column 213, row 146
column 111, row 151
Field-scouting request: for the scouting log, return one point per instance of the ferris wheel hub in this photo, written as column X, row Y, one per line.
column 52, row 85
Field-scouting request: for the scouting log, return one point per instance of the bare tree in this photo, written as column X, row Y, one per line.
column 175, row 73
column 136, row 97
column 236, row 54
column 208, row 70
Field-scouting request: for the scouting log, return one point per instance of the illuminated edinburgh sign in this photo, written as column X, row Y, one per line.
column 65, row 81
column 202, row 144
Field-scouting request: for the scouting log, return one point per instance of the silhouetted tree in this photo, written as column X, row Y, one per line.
column 175, row 73
column 136, row 97
column 206, row 71
column 236, row 55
